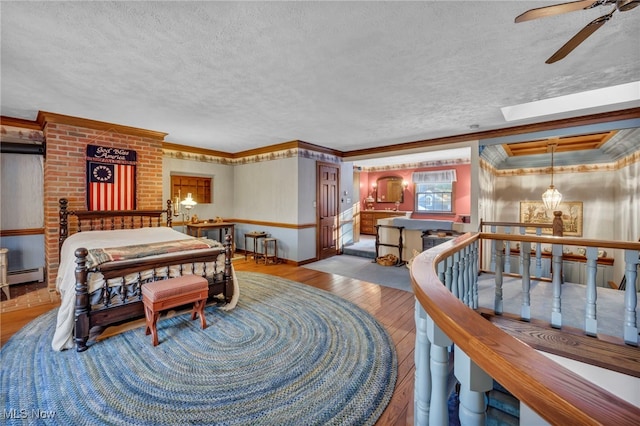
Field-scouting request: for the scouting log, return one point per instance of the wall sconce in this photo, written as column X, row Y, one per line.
column 405, row 185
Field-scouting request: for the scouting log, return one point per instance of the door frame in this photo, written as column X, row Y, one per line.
column 319, row 165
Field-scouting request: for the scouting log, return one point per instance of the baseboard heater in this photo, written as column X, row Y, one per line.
column 25, row 275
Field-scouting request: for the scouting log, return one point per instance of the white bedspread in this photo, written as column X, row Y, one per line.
column 65, row 282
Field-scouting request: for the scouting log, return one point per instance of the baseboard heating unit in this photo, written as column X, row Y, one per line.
column 25, row 275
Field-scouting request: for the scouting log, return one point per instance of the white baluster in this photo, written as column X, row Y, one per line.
column 466, row 263
column 422, row 386
column 442, row 267
column 448, row 270
column 590, row 321
column 556, row 281
column 497, row 305
column 464, row 277
column 439, row 411
column 525, row 254
column 455, row 278
column 474, row 382
column 507, row 252
column 492, row 267
column 630, row 297
column 538, row 255
column 473, row 273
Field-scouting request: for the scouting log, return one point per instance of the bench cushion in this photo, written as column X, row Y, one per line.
column 166, row 289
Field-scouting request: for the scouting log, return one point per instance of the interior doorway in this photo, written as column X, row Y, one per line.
column 327, row 209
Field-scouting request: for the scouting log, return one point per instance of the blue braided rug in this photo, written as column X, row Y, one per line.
column 288, row 354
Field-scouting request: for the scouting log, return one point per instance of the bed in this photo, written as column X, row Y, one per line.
column 106, row 256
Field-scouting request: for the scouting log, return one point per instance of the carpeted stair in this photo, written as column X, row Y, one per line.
column 355, row 251
column 503, row 409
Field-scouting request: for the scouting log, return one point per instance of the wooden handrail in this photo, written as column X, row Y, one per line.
column 518, row 224
column 555, row 393
column 568, row 241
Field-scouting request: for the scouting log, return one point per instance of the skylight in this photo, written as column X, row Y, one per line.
column 621, row 93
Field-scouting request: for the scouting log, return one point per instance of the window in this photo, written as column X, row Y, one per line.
column 434, row 191
column 199, row 187
column 434, row 197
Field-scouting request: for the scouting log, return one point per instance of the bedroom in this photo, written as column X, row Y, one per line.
column 246, row 188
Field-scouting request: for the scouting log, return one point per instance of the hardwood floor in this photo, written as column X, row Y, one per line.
column 392, row 308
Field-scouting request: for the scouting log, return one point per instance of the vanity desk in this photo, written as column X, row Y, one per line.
column 369, row 219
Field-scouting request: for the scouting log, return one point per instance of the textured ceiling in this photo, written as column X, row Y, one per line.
column 234, row 76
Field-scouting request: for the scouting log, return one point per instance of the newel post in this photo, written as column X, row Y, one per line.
column 422, row 387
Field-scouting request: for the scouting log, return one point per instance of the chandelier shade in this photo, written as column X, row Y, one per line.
column 551, row 198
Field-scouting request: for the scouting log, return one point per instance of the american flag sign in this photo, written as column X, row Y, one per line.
column 111, row 178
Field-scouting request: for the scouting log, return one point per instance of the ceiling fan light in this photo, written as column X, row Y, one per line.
column 551, row 198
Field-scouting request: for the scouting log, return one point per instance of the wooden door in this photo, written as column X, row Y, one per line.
column 328, row 210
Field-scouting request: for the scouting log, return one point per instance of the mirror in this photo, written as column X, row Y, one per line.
column 389, row 190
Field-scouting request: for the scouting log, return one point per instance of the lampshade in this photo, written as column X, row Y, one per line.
column 551, row 198
column 188, row 202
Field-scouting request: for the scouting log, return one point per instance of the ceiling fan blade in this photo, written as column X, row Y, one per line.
column 542, row 12
column 582, row 35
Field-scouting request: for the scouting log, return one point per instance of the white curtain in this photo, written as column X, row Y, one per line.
column 435, row 177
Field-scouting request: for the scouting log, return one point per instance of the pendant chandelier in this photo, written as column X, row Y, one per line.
column 551, row 197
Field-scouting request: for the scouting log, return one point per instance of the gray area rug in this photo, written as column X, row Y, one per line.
column 288, row 354
column 364, row 269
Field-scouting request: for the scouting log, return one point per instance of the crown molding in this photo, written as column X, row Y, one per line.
column 169, row 146
column 19, row 122
column 291, row 145
column 605, row 117
column 45, row 118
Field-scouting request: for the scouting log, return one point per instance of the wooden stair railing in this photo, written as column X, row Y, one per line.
column 631, row 252
column 555, row 393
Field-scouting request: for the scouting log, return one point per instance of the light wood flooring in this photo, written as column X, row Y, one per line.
column 392, row 308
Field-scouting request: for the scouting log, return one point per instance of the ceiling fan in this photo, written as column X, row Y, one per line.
column 590, row 28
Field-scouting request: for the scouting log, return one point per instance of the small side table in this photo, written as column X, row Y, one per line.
column 273, row 257
column 224, row 228
column 256, row 236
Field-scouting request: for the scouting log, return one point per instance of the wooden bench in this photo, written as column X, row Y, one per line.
column 161, row 295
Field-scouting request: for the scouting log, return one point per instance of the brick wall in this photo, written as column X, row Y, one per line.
column 65, row 170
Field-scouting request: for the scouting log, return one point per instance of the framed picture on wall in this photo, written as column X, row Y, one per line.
column 534, row 212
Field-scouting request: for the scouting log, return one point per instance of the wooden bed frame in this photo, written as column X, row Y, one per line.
column 87, row 315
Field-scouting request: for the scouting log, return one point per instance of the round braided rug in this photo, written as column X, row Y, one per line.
column 288, row 354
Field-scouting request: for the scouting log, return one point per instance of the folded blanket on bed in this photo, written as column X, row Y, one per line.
column 101, row 255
